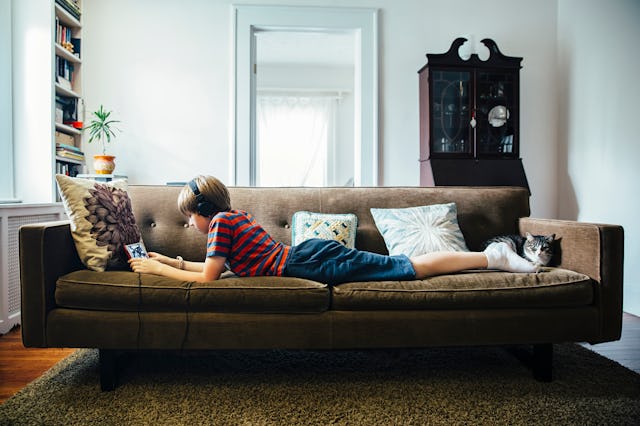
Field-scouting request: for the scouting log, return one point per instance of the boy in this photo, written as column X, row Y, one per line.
column 237, row 241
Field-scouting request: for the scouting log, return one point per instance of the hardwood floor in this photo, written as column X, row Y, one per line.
column 625, row 351
column 20, row 365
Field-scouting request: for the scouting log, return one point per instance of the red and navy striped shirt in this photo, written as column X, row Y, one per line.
column 249, row 249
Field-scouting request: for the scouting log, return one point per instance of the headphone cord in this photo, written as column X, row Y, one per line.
column 187, row 311
column 139, row 337
column 187, row 316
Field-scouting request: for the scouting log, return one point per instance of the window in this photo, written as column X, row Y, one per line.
column 294, row 136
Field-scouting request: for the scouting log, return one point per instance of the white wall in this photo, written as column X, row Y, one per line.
column 599, row 150
column 6, row 151
column 164, row 67
column 33, row 100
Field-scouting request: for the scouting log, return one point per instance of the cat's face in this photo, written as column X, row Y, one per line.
column 539, row 248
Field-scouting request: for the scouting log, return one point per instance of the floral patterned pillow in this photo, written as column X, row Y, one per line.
column 414, row 231
column 102, row 220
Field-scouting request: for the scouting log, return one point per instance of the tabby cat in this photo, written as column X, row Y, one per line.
column 535, row 248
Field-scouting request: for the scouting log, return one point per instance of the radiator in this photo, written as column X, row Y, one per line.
column 12, row 217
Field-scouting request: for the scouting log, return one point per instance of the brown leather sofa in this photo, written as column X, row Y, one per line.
column 580, row 299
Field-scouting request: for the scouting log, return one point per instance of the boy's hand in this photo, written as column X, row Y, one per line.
column 160, row 257
column 146, row 266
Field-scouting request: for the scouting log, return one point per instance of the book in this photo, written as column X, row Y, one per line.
column 69, row 150
column 70, row 7
column 64, row 140
column 63, row 146
column 66, row 169
column 75, row 42
column 70, row 155
column 68, row 105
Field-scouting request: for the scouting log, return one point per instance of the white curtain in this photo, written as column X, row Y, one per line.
column 294, row 133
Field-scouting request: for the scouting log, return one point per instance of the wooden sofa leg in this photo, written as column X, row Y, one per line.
column 108, row 369
column 543, row 362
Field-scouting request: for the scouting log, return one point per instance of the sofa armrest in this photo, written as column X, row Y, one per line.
column 47, row 251
column 596, row 250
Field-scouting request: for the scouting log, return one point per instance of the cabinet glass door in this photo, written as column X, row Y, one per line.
column 451, row 114
column 496, row 114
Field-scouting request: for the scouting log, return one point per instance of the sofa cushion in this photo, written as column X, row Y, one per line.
column 129, row 291
column 469, row 289
column 414, row 231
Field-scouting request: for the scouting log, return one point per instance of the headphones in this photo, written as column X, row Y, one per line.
column 204, row 207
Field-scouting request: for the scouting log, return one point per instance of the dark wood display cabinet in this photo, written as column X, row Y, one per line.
column 469, row 119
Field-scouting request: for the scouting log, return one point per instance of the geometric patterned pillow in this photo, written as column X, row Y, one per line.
column 101, row 220
column 326, row 226
column 419, row 230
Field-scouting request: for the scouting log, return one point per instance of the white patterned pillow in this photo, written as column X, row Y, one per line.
column 339, row 227
column 414, row 231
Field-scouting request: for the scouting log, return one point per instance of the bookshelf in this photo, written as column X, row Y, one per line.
column 67, row 81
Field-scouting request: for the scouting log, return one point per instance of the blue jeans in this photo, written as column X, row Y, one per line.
column 330, row 262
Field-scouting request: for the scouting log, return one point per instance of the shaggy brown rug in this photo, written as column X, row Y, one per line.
column 483, row 385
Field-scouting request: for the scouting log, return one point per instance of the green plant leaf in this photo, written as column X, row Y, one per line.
column 101, row 128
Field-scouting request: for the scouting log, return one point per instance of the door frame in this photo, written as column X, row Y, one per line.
column 246, row 20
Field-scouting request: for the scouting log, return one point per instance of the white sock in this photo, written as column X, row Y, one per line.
column 501, row 256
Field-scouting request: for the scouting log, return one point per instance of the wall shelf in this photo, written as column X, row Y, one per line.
column 64, row 53
column 68, row 129
column 65, row 17
column 67, row 83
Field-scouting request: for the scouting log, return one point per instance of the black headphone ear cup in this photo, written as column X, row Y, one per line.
column 203, row 207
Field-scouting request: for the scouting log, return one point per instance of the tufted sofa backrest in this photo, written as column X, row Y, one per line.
column 483, row 212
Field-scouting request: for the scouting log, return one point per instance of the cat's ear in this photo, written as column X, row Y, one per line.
column 551, row 238
column 529, row 236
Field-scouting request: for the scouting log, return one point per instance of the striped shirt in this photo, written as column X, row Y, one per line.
column 248, row 248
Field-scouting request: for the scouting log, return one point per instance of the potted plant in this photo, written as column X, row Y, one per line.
column 101, row 128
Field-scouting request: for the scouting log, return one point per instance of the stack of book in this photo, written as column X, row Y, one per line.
column 70, row 6
column 67, row 169
column 69, row 151
column 64, row 71
column 65, row 38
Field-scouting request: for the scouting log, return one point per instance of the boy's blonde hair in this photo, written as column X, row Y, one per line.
column 213, row 191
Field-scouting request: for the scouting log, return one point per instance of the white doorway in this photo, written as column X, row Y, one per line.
column 278, row 51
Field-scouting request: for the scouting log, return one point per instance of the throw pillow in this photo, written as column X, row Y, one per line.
column 414, row 231
column 339, row 227
column 102, row 220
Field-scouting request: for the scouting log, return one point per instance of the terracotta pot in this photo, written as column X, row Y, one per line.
column 104, row 164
